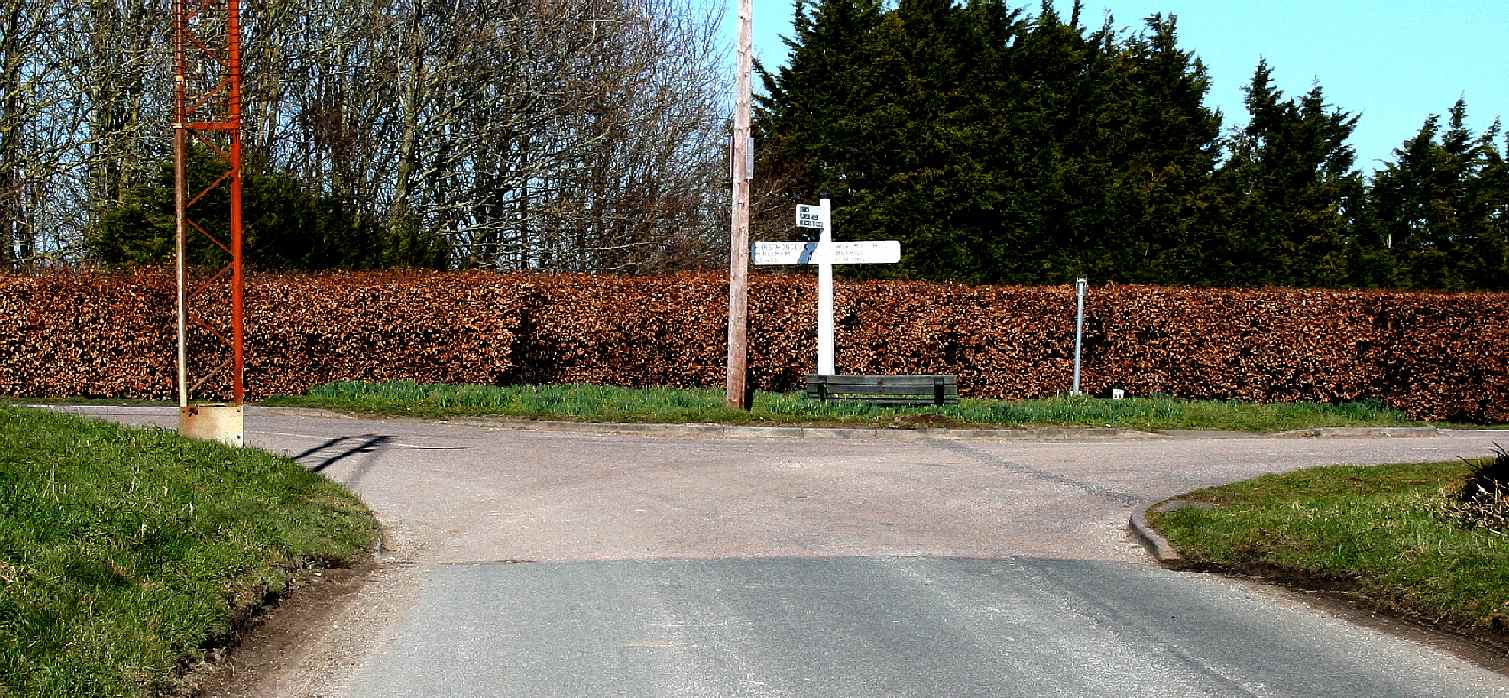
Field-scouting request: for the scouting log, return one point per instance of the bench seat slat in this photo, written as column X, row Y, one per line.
column 918, row 381
column 915, row 390
column 917, row 397
column 887, row 402
column 885, row 389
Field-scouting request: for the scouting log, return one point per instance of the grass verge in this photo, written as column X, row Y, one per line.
column 126, row 553
column 106, row 401
column 610, row 404
column 1376, row 531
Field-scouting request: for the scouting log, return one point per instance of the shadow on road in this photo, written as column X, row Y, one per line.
column 341, row 448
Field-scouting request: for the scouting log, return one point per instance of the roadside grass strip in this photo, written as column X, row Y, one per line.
column 1379, row 532
column 127, row 554
column 594, row 403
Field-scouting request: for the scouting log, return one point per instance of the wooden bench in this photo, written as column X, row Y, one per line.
column 888, row 391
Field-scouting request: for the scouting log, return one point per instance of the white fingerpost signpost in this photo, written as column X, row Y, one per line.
column 825, row 253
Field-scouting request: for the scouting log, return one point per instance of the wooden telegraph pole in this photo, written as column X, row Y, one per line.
column 738, row 239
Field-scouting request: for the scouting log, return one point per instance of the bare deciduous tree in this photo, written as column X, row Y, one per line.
column 573, row 135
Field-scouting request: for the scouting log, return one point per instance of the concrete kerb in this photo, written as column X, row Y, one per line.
column 804, row 432
column 1361, row 432
column 909, row 434
column 1155, row 543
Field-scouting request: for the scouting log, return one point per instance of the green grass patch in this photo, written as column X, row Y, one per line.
column 1378, row 531
column 125, row 553
column 610, row 404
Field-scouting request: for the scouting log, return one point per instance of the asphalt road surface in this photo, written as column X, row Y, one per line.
column 550, row 562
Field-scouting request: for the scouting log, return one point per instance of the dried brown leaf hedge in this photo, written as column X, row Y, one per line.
column 1434, row 356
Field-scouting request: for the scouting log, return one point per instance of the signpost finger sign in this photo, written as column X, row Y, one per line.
column 872, row 252
column 825, row 253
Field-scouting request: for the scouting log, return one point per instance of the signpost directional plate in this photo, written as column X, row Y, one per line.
column 871, row 252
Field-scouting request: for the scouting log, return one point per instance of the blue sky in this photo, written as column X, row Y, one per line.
column 1393, row 62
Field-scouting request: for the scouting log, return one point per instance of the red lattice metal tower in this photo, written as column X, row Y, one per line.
column 207, row 116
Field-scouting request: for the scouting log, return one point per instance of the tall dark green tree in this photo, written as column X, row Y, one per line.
column 1168, row 142
column 931, row 183
column 994, row 146
column 1040, row 104
column 1439, row 210
column 815, row 113
column 1002, row 146
column 1122, row 150
column 1288, row 192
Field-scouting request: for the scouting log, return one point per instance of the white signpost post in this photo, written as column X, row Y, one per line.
column 825, row 253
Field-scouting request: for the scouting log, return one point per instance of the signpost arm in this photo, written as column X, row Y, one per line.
column 738, row 243
column 825, row 293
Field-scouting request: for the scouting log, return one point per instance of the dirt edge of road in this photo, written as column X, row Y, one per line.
column 266, row 641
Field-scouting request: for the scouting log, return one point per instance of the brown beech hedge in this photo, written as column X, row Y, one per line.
column 1434, row 356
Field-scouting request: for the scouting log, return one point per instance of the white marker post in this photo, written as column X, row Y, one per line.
column 825, row 345
column 825, row 253
column 1079, row 329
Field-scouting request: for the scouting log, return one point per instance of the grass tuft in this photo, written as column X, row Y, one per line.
column 1483, row 501
column 125, row 553
column 597, row 403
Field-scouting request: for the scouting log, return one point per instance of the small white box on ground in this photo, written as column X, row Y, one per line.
column 1118, row 393
column 223, row 423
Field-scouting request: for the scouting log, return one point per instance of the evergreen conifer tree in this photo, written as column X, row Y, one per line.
column 1288, row 192
column 1002, row 147
column 1438, row 209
